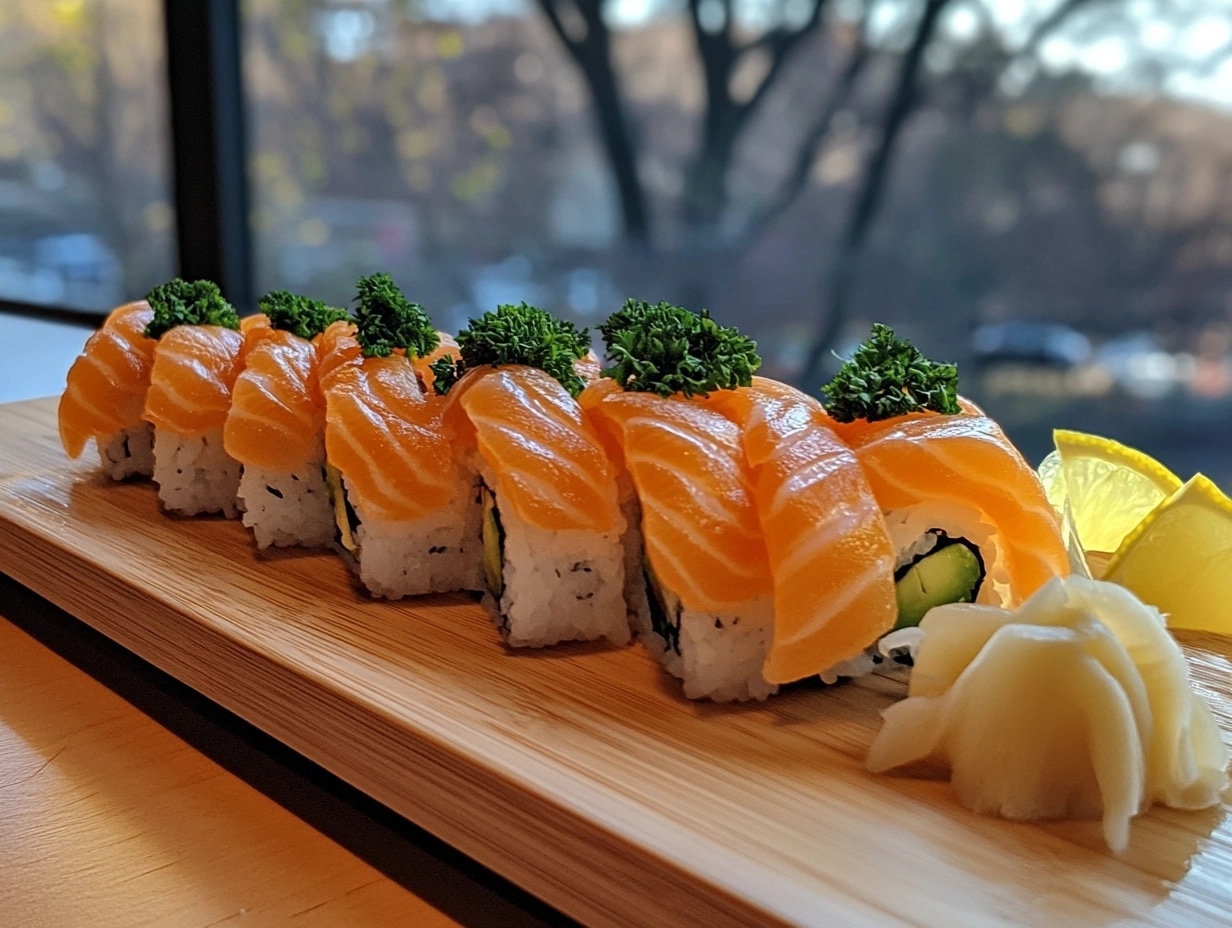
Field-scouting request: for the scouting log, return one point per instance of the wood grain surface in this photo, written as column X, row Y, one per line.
column 579, row 772
column 109, row 820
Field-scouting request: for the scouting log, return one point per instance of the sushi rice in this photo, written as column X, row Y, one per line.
column 129, row 453
column 195, row 475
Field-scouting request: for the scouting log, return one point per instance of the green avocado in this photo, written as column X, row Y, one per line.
column 493, row 545
column 948, row 575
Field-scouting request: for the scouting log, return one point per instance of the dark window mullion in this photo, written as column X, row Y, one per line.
column 208, row 145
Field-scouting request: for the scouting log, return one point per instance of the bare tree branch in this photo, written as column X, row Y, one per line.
column 592, row 52
column 869, row 194
column 810, row 146
column 780, row 43
column 724, row 119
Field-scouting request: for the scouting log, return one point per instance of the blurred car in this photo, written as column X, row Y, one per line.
column 1047, row 344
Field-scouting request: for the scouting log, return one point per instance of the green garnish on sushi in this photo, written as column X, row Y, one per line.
column 887, row 376
column 520, row 334
column 183, row 302
column 297, row 314
column 385, row 319
column 665, row 349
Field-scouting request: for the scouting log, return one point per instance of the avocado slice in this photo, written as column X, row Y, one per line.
column 344, row 516
column 493, row 544
column 951, row 574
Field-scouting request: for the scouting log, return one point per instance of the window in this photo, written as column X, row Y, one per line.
column 1032, row 190
column 87, row 218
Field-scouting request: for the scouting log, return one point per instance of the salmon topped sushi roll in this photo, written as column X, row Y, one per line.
column 552, row 527
column 198, row 357
column 966, row 513
column 106, row 391
column 406, row 513
column 276, row 425
column 830, row 552
column 703, row 595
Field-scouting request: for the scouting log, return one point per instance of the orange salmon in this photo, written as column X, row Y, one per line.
column 830, row 553
column 966, row 460
column 107, row 384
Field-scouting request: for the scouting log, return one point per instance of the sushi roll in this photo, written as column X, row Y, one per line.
column 967, row 515
column 407, row 515
column 276, row 426
column 704, row 598
column 830, row 552
column 105, row 396
column 199, row 355
column 551, row 528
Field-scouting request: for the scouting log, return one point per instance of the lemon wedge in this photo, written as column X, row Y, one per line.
column 1106, row 488
column 1179, row 559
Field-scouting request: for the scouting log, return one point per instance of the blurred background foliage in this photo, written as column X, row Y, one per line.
column 1036, row 189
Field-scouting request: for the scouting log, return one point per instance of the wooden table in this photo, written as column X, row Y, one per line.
column 127, row 799
column 109, row 816
column 579, row 773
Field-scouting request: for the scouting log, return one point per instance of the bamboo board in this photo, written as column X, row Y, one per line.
column 578, row 772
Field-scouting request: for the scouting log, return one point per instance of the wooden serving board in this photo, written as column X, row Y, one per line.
column 579, row 772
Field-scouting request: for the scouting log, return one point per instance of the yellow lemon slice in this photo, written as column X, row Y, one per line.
column 1179, row 559
column 1107, row 487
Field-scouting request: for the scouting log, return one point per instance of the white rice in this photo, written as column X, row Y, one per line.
column 565, row 585
column 440, row 553
column 194, row 474
column 288, row 508
column 911, row 534
column 130, row 453
column 716, row 655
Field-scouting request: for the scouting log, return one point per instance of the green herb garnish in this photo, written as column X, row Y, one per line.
column 298, row 314
column 887, row 377
column 664, row 349
column 183, row 302
column 519, row 334
column 385, row 320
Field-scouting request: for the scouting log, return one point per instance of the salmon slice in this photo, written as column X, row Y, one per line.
column 829, row 551
column 550, row 466
column 967, row 461
column 194, row 371
column 447, row 348
column 700, row 526
column 588, row 367
column 277, row 413
column 107, row 384
column 337, row 349
column 386, row 438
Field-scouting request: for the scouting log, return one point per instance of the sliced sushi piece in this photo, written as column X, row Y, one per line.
column 705, row 570
column 830, row 553
column 407, row 515
column 957, row 480
column 704, row 598
column 106, row 392
column 198, row 357
column 276, row 425
column 551, row 530
column 968, row 516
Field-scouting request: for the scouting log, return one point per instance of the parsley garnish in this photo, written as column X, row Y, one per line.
column 298, row 314
column 664, row 349
column 385, row 320
column 519, row 334
column 182, row 302
column 887, row 377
